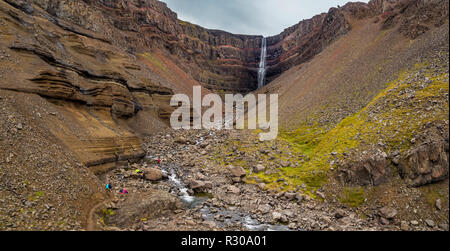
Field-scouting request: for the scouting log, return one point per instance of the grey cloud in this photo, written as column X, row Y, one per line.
column 253, row 17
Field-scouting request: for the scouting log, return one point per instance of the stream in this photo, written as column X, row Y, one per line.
column 220, row 216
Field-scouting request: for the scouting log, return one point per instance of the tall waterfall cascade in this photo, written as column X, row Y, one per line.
column 262, row 64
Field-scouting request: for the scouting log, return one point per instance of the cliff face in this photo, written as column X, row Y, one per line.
column 303, row 41
column 218, row 59
column 123, row 59
column 221, row 60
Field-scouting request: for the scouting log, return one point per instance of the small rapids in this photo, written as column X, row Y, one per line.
column 220, row 216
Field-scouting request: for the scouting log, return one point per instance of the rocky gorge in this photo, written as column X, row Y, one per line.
column 85, row 89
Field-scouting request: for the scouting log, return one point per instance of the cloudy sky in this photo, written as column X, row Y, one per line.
column 252, row 17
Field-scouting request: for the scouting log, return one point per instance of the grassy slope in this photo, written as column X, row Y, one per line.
column 349, row 99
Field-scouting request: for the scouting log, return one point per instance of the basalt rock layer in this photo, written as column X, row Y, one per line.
column 104, row 95
column 128, row 57
column 217, row 59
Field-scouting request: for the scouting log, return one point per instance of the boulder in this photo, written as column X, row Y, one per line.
column 181, row 140
column 339, row 214
column 388, row 213
column 279, row 217
column 200, row 186
column 259, row 168
column 196, row 184
column 425, row 164
column 264, row 209
column 438, row 204
column 430, row 223
column 153, row 174
column 234, row 189
column 404, row 226
column 290, row 196
column 372, row 170
column 285, row 163
column 237, row 171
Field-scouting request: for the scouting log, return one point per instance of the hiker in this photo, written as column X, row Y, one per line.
column 108, row 187
column 123, row 191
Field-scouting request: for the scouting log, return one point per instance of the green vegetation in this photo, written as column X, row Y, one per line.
column 108, row 212
column 393, row 117
column 155, row 61
column 353, row 197
column 36, row 196
column 432, row 193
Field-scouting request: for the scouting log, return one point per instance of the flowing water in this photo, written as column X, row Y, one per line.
column 262, row 64
column 220, row 216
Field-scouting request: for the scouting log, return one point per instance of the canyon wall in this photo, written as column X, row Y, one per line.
column 116, row 63
column 217, row 59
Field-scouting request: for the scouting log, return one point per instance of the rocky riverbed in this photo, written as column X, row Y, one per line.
column 178, row 187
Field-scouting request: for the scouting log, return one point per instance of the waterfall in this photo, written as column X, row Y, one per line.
column 262, row 64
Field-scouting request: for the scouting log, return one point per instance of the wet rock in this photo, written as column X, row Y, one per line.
column 388, row 213
column 195, row 184
column 200, row 186
column 276, row 216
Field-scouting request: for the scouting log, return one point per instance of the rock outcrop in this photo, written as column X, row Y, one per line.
column 126, row 57
column 303, row 41
column 425, row 164
column 218, row 59
column 142, row 206
column 370, row 171
column 103, row 95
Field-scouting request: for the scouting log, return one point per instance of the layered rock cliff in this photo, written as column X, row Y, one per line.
column 220, row 60
column 217, row 59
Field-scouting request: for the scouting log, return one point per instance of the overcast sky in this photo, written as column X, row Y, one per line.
column 251, row 17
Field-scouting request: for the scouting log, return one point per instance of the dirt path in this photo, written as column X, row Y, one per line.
column 91, row 221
